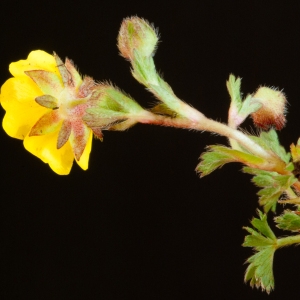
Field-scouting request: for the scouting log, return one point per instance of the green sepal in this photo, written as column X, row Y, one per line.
column 111, row 98
column 103, row 118
column 269, row 141
column 273, row 185
column 289, row 220
column 263, row 240
column 109, row 107
column 217, row 156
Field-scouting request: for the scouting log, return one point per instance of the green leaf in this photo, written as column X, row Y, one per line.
column 273, row 185
column 295, row 151
column 144, row 70
column 256, row 240
column 163, row 109
column 260, row 269
column 290, row 167
column 239, row 110
column 269, row 141
column 217, row 156
column 166, row 96
column 234, row 89
column 249, row 106
column 263, row 240
column 289, row 220
column 262, row 226
column 270, row 201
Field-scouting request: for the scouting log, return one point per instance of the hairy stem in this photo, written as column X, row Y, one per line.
column 290, row 193
column 204, row 124
column 287, row 241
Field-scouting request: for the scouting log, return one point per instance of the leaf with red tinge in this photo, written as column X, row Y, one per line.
column 73, row 73
column 87, row 86
column 47, row 101
column 48, row 123
column 97, row 132
column 64, row 133
column 79, row 138
column 65, row 74
column 48, row 82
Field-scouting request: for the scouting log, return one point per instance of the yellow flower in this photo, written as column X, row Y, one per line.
column 44, row 104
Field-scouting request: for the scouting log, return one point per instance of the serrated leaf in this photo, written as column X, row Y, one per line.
column 249, row 106
column 269, row 141
column 289, row 220
column 290, row 167
column 144, row 69
column 239, row 110
column 217, row 156
column 273, row 185
column 234, row 89
column 256, row 240
column 270, row 202
column 260, row 269
column 295, row 151
column 262, row 226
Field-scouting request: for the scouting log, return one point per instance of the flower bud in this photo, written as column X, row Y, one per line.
column 136, row 34
column 273, row 110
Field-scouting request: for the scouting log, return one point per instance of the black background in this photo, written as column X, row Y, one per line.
column 139, row 223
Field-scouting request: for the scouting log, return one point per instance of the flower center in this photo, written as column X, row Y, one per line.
column 71, row 107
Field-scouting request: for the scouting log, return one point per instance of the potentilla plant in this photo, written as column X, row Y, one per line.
column 56, row 113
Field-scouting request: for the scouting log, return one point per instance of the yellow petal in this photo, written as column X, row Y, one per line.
column 44, row 147
column 84, row 159
column 37, row 60
column 18, row 122
column 22, row 112
column 19, row 90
